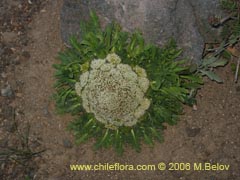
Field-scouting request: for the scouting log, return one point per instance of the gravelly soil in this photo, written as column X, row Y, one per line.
column 208, row 134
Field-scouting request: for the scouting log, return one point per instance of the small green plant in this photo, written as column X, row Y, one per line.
column 219, row 56
column 207, row 65
column 22, row 153
column 121, row 90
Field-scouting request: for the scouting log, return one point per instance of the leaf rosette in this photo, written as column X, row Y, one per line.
column 120, row 89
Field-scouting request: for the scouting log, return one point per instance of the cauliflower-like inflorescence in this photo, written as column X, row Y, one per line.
column 114, row 92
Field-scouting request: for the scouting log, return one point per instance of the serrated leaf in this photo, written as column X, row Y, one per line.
column 213, row 76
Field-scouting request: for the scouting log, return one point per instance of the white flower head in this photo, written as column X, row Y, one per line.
column 140, row 71
column 78, row 88
column 84, row 79
column 97, row 63
column 113, row 58
column 143, row 83
column 113, row 92
column 107, row 67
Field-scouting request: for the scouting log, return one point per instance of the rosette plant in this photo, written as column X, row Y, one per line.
column 120, row 89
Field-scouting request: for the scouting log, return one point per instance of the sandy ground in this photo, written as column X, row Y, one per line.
column 210, row 134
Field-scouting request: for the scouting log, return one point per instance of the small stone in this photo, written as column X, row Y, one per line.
column 192, row 132
column 67, row 143
column 19, row 95
column 7, row 92
column 195, row 107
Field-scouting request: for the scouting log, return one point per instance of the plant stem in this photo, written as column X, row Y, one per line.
column 236, row 73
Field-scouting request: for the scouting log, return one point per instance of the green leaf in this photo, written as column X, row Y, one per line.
column 88, row 124
column 83, row 138
column 193, row 78
column 65, row 96
column 147, row 139
column 118, row 142
column 94, row 18
column 177, row 92
column 193, row 68
column 233, row 39
column 155, row 85
column 135, row 141
column 179, row 69
column 220, row 62
column 212, row 76
column 208, row 61
column 156, row 134
column 103, row 140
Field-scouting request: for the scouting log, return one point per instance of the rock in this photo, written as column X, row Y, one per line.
column 192, row 132
column 7, row 92
column 184, row 20
column 67, row 143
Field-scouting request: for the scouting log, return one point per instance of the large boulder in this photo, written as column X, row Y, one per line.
column 184, row 20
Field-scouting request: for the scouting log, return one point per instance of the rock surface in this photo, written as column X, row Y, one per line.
column 7, row 91
column 184, row 20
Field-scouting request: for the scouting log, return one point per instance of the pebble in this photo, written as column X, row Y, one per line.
column 7, row 92
column 192, row 132
column 67, row 143
column 19, row 95
column 195, row 107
